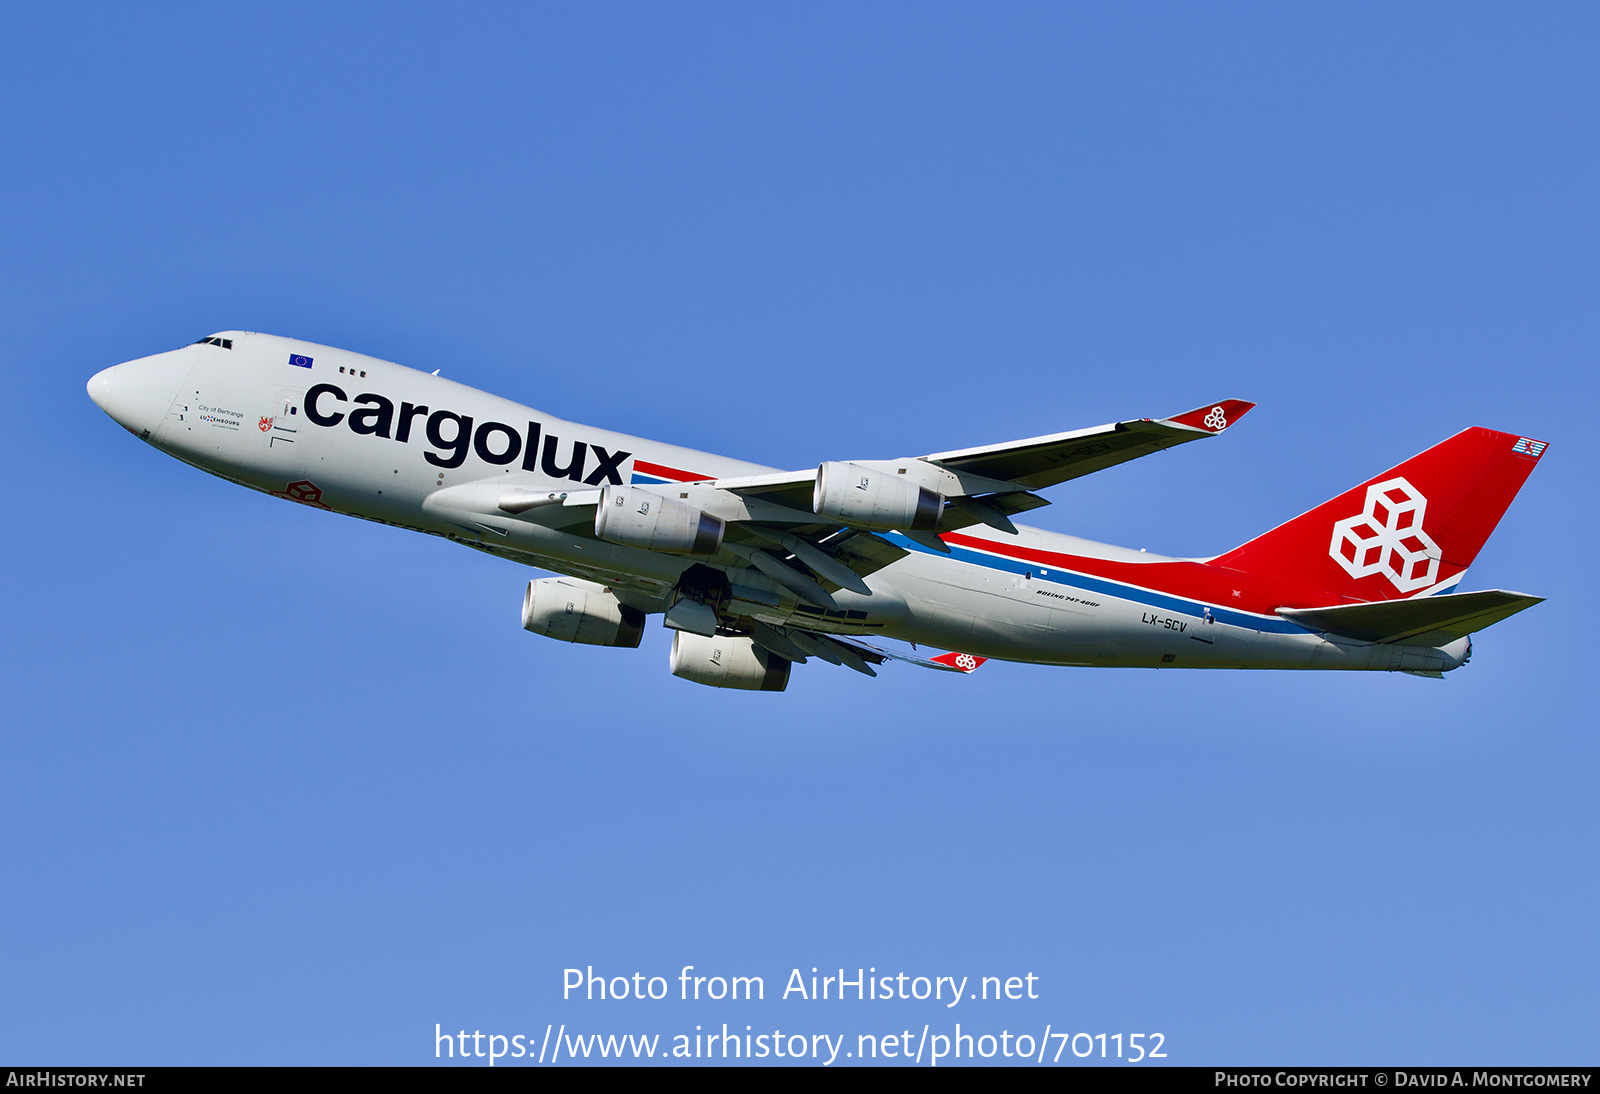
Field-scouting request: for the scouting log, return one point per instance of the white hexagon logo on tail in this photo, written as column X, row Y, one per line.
column 1387, row 538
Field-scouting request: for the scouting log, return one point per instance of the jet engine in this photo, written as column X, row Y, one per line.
column 727, row 663
column 863, row 497
column 638, row 518
column 572, row 610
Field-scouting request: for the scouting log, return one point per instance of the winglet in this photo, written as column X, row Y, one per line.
column 960, row 662
column 945, row 662
column 1214, row 417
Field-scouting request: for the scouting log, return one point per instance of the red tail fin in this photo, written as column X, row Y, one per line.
column 1412, row 530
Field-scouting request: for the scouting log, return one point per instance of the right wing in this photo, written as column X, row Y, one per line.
column 773, row 524
column 1044, row 461
column 1028, row 464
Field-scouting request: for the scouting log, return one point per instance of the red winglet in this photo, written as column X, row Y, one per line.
column 961, row 662
column 1216, row 417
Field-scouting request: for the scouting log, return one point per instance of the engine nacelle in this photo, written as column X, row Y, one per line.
column 863, row 497
column 571, row 610
column 727, row 663
column 638, row 518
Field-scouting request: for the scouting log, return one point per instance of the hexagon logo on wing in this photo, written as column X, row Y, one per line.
column 1387, row 538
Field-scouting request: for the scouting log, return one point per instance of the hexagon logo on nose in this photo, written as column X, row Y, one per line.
column 1387, row 538
column 305, row 492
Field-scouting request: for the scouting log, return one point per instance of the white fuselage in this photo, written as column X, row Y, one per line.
column 400, row 457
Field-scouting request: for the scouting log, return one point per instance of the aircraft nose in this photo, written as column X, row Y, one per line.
column 102, row 386
column 136, row 394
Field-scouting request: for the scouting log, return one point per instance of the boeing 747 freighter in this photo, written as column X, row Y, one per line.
column 756, row 570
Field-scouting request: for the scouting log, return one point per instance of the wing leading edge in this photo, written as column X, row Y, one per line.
column 1002, row 474
column 1038, row 462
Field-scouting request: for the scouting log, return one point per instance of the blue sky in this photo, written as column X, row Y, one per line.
column 282, row 787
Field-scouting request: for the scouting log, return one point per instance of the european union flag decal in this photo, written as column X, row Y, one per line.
column 298, row 361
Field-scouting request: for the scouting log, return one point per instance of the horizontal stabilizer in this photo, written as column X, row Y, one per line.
column 1426, row 621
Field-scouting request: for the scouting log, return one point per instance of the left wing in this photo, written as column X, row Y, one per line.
column 795, row 644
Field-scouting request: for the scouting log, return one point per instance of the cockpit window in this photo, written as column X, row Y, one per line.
column 225, row 343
